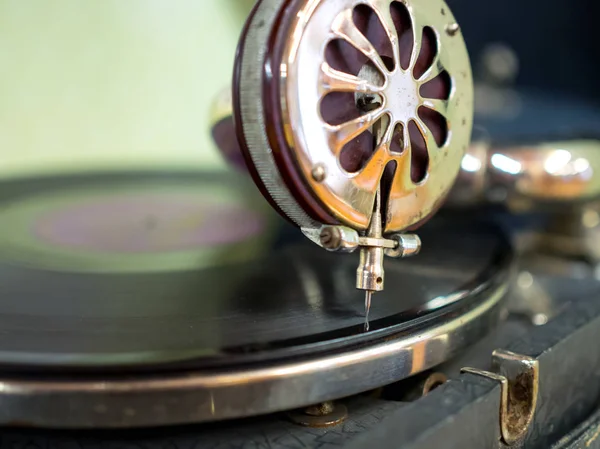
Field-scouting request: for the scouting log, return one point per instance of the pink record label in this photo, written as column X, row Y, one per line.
column 147, row 223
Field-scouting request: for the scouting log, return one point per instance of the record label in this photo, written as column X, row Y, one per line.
column 132, row 227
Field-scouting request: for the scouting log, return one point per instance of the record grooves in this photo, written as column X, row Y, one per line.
column 189, row 302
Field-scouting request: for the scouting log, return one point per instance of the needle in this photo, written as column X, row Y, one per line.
column 368, row 294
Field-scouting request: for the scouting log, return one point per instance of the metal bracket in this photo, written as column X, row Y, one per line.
column 346, row 240
column 519, row 380
column 370, row 274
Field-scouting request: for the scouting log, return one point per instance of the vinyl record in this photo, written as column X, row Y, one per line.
column 164, row 277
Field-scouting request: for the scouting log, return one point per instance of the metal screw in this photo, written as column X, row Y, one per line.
column 452, row 29
column 407, row 245
column 319, row 173
column 326, row 414
column 331, row 237
column 322, row 409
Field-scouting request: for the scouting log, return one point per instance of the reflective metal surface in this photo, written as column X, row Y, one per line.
column 518, row 376
column 310, row 78
column 307, row 78
column 529, row 176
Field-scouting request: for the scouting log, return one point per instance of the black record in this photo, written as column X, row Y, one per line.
column 171, row 270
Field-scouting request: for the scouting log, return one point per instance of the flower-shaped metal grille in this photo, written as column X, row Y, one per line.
column 385, row 91
column 394, row 94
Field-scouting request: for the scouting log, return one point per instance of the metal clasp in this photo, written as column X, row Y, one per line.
column 518, row 376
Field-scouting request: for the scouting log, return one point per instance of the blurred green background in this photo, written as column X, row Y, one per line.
column 112, row 83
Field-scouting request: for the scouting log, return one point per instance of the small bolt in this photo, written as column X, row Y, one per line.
column 331, row 238
column 318, row 173
column 323, row 409
column 407, row 245
column 452, row 29
column 326, row 414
